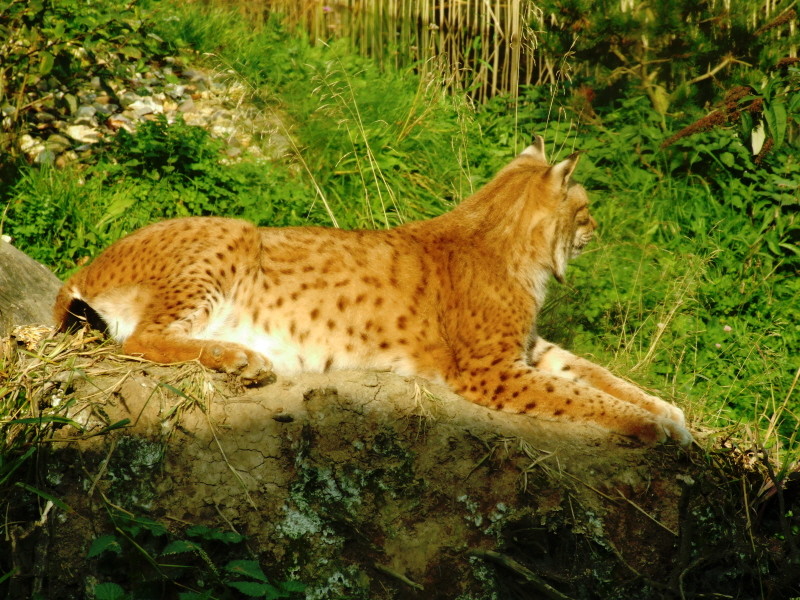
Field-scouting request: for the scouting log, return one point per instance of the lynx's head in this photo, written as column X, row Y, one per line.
column 532, row 214
column 558, row 205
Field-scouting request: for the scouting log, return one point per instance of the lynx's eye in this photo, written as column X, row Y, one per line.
column 582, row 218
column 584, row 229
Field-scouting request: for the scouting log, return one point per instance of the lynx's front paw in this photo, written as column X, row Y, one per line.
column 665, row 410
column 677, row 430
column 659, row 430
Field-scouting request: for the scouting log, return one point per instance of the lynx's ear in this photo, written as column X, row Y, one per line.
column 536, row 150
column 563, row 170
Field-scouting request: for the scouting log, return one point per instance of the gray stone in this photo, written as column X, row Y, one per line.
column 57, row 143
column 145, row 105
column 175, row 91
column 83, row 134
column 128, row 98
column 45, row 157
column 86, row 98
column 105, row 109
column 187, row 105
column 30, row 146
column 65, row 158
column 27, row 290
column 121, row 121
column 44, row 117
column 194, row 74
column 86, row 110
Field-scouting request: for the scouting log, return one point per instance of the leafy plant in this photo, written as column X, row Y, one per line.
column 64, row 217
column 186, row 565
column 378, row 147
column 673, row 52
column 47, row 44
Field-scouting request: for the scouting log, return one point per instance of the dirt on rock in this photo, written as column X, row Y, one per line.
column 367, row 485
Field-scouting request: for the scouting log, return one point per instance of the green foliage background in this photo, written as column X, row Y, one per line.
column 692, row 286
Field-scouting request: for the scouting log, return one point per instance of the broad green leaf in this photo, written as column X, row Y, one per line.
column 727, row 159
column 772, row 243
column 780, row 118
column 207, row 533
column 138, row 524
column 249, row 568
column 131, row 52
column 108, row 591
column 793, row 248
column 794, row 103
column 293, row 586
column 746, row 124
column 104, row 543
column 46, row 63
column 118, row 206
column 179, row 547
column 255, row 589
column 195, row 595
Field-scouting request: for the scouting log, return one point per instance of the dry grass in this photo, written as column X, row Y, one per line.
column 50, row 381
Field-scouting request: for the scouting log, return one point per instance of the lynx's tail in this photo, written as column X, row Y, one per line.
column 62, row 315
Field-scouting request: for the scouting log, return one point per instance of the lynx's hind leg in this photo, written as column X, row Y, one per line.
column 160, row 345
column 549, row 358
column 166, row 291
column 173, row 322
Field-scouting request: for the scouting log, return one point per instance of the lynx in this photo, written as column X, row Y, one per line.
column 453, row 299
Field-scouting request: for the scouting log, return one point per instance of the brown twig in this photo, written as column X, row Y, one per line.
column 646, row 514
column 399, row 576
column 542, row 587
column 784, row 17
column 728, row 60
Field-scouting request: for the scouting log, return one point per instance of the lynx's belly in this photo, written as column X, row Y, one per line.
column 294, row 345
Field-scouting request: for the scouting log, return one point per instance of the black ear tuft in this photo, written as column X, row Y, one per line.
column 536, row 149
column 563, row 170
column 538, row 143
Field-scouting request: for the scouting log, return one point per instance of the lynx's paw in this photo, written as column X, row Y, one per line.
column 665, row 410
column 677, row 421
column 660, row 430
column 677, row 431
column 251, row 367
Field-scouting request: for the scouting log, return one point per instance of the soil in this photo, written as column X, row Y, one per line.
column 371, row 485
